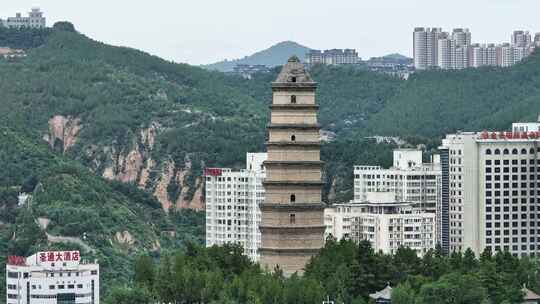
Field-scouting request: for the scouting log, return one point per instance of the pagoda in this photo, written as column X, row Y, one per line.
column 292, row 225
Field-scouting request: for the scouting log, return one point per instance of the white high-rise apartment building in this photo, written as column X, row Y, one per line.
column 536, row 41
column 232, row 205
column 478, row 56
column 50, row 278
column 384, row 222
column 461, row 57
column 493, row 188
column 521, row 38
column 425, row 47
column 462, row 37
column 34, row 19
column 445, row 56
column 434, row 48
column 332, row 57
column 409, row 179
column 491, row 53
column 505, row 55
column 520, row 53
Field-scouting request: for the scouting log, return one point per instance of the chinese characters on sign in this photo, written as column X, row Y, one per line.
column 212, row 172
column 16, row 260
column 59, row 256
column 510, row 135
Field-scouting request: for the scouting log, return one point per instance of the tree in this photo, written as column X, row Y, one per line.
column 126, row 295
column 364, row 270
column 470, row 263
column 403, row 294
column 406, row 262
column 454, row 288
column 144, row 271
column 456, row 260
column 64, row 26
column 163, row 284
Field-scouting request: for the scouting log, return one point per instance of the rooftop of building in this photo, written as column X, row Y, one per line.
column 385, row 294
column 520, row 131
column 529, row 295
column 50, row 260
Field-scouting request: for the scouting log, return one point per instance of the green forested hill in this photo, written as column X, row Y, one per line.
column 205, row 118
column 135, row 118
column 70, row 207
column 433, row 103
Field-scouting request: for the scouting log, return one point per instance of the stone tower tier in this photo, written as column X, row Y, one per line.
column 314, row 144
column 294, row 126
column 304, row 163
column 292, row 207
column 296, row 87
column 293, row 183
column 294, row 107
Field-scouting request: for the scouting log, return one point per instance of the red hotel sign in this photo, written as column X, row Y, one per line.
column 59, row 256
column 16, row 260
column 212, row 172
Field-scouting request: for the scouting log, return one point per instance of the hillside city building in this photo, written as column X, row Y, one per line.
column 409, row 179
column 50, row 278
column 332, row 57
column 34, row 19
column 434, row 48
column 292, row 227
column 425, row 47
column 383, row 221
column 247, row 70
column 491, row 190
column 232, row 205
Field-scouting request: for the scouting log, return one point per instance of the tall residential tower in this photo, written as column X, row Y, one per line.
column 292, row 227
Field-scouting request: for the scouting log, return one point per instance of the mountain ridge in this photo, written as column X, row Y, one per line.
column 273, row 56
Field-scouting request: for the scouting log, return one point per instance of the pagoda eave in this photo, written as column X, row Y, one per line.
column 294, row 126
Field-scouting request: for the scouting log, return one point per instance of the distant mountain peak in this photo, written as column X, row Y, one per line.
column 396, row 56
column 275, row 55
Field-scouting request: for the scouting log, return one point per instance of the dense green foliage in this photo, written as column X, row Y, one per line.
column 210, row 119
column 215, row 119
column 433, row 103
column 343, row 271
column 79, row 205
column 23, row 38
column 273, row 56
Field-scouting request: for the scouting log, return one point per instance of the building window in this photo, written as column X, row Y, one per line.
column 292, row 218
column 13, row 275
column 293, row 79
column 293, row 99
column 293, row 198
column 497, row 152
column 488, row 151
column 293, row 138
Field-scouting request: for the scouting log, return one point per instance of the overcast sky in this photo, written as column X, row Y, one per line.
column 205, row 31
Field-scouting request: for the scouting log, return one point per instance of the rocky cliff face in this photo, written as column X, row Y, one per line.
column 175, row 178
column 63, row 132
column 133, row 163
